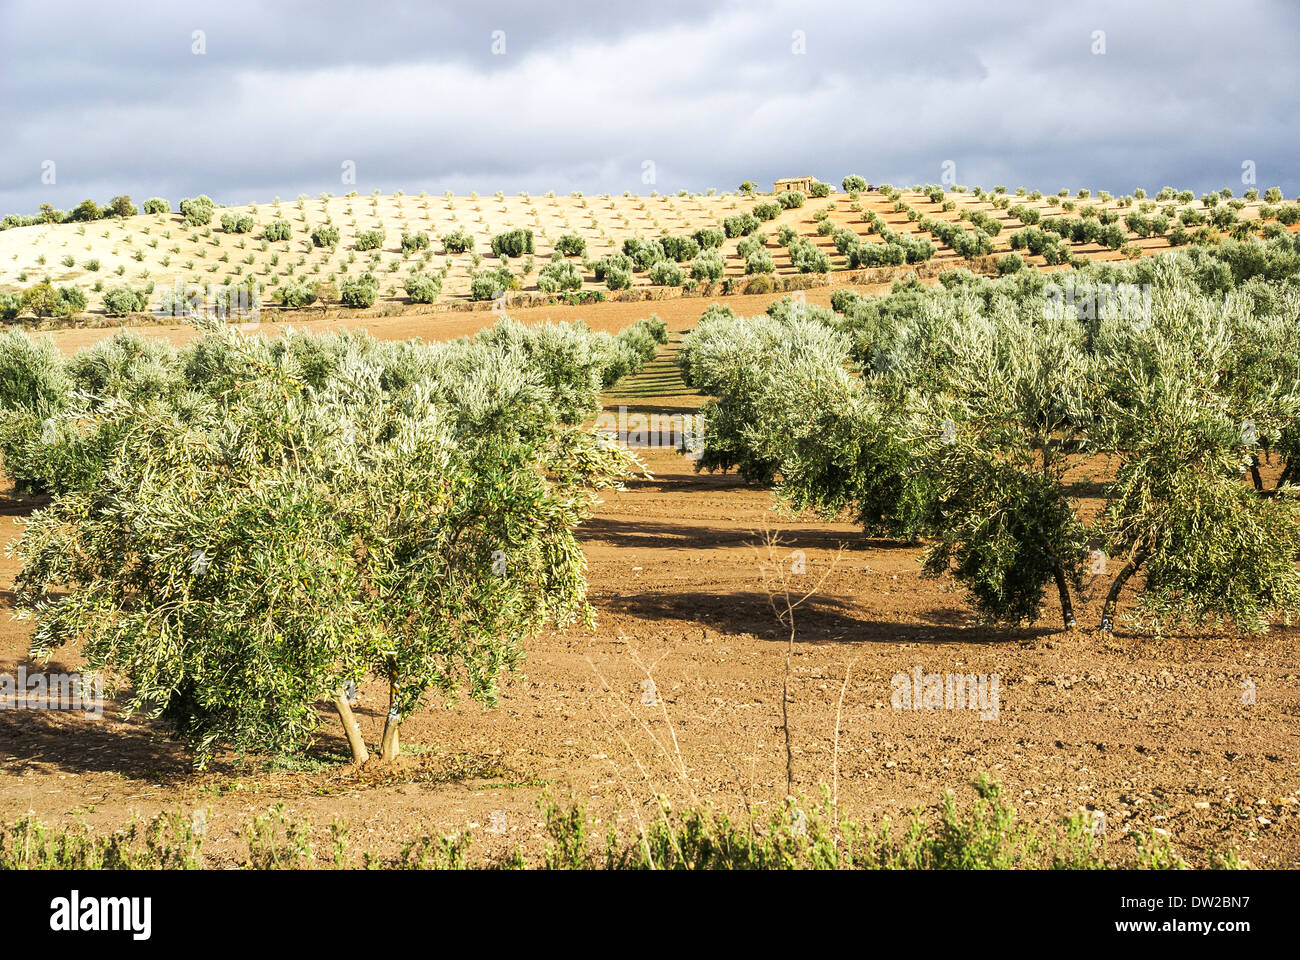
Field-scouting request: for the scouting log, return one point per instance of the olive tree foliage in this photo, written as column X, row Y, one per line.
column 710, row 238
column 1013, row 403
column 1193, row 401
column 558, row 276
column 122, row 300
column 680, row 248
column 513, row 243
column 414, row 242
column 957, row 414
column 644, row 253
column 197, row 211
column 359, row 292
column 43, row 299
column 708, row 266
column 296, row 294
column 571, row 245
column 423, row 287
column 458, row 241
column 48, row 444
column 492, row 283
column 667, row 273
column 370, row 239
column 732, row 359
column 325, row 235
column 236, row 223
column 274, row 522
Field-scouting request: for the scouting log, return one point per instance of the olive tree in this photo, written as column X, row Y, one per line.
column 1187, row 416
column 122, row 300
column 197, row 211
column 1013, row 403
column 423, row 287
column 408, row 518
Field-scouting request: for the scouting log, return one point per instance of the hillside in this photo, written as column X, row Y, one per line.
column 156, row 254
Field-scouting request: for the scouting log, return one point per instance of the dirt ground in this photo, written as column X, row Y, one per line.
column 678, row 692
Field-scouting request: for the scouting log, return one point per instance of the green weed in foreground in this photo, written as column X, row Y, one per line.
column 798, row 835
column 170, row 841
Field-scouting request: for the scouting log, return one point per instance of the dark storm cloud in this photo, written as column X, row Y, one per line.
column 587, row 94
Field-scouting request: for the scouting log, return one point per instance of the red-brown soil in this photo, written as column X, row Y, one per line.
column 1152, row 731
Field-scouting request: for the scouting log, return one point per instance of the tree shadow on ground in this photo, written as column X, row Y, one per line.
column 819, row 620
column 78, row 744
column 139, row 748
column 650, row 534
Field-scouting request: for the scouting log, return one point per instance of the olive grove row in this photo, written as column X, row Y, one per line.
column 974, row 416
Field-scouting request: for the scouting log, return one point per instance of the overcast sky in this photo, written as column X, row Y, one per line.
column 246, row 101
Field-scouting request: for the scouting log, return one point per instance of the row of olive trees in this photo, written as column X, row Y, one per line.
column 242, row 529
column 962, row 415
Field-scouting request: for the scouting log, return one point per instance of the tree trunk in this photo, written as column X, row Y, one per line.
column 1058, row 574
column 390, row 746
column 1067, row 608
column 1254, row 475
column 1121, row 578
column 353, row 732
column 1285, row 476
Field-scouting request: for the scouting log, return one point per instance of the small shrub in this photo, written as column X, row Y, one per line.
column 413, row 242
column 741, row 225
column 458, row 241
column 707, row 266
column 359, row 292
column 559, row 276
column 666, row 273
column 297, row 294
column 571, row 245
column 370, row 239
column 710, row 237
column 423, row 287
column 236, row 223
column 119, row 301
column 513, row 243
column 759, row 261
column 197, row 211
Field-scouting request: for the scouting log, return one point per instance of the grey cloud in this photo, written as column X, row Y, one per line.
column 711, row 94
